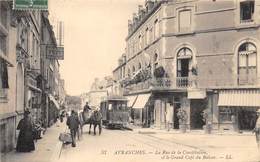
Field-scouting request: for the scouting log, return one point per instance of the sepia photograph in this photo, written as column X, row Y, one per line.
column 130, row 80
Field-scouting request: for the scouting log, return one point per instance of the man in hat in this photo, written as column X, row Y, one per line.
column 257, row 128
column 86, row 112
column 73, row 124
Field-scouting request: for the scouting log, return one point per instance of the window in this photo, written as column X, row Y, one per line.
column 147, row 36
column 3, row 14
column 156, row 29
column 246, row 11
column 140, row 42
column 247, row 58
column 151, row 35
column 128, row 72
column 225, row 114
column 155, row 60
column 184, row 57
column 185, row 21
column 123, row 72
column 133, row 70
column 139, row 65
column 3, row 79
column 3, row 46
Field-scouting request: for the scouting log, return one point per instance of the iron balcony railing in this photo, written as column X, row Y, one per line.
column 234, row 81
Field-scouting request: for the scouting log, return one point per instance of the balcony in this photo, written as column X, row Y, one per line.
column 185, row 82
column 200, row 82
column 161, row 84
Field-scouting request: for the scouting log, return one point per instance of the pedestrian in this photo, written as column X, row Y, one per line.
column 257, row 129
column 25, row 139
column 77, row 116
column 73, row 124
column 86, row 107
column 97, row 121
column 169, row 116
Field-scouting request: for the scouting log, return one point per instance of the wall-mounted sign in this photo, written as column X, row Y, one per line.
column 196, row 94
column 53, row 52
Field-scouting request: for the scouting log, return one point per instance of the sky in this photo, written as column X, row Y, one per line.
column 95, row 32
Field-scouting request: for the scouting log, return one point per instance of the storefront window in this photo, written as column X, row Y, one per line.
column 225, row 114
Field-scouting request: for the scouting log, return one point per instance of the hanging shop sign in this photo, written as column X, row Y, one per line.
column 55, row 52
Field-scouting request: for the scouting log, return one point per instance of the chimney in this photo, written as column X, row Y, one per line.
column 149, row 5
column 130, row 25
column 141, row 12
column 135, row 20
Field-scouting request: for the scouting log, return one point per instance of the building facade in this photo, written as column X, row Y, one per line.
column 182, row 55
column 52, row 85
column 7, row 77
column 22, row 70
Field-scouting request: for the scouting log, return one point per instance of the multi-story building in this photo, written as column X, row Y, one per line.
column 24, row 60
column 119, row 76
column 62, row 93
column 50, row 54
column 7, row 77
column 181, row 55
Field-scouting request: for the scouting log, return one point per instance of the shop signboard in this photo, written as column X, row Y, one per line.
column 196, row 94
column 54, row 52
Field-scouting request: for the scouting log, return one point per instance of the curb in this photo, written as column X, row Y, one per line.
column 190, row 133
column 57, row 151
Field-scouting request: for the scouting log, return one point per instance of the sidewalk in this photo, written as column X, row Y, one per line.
column 46, row 149
column 193, row 132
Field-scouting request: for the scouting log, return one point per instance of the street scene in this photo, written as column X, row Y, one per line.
column 129, row 80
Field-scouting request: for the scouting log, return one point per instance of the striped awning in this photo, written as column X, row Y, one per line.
column 131, row 100
column 141, row 101
column 245, row 98
column 54, row 101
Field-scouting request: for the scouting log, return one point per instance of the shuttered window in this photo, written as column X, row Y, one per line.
column 185, row 21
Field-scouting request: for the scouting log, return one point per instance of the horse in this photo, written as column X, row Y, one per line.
column 95, row 119
column 91, row 118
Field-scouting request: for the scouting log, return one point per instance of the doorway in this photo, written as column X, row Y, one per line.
column 177, row 106
column 183, row 67
column 196, row 112
column 247, row 118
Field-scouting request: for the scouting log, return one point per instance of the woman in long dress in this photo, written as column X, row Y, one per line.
column 25, row 141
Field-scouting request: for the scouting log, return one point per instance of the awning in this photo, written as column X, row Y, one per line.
column 246, row 98
column 54, row 101
column 141, row 101
column 131, row 100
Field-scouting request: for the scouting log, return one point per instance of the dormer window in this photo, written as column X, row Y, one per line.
column 247, row 9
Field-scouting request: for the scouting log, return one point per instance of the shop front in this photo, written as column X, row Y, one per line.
column 34, row 102
column 140, row 110
column 237, row 109
column 53, row 111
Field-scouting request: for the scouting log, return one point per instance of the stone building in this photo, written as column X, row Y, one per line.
column 7, row 77
column 50, row 72
column 22, row 70
column 197, row 62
